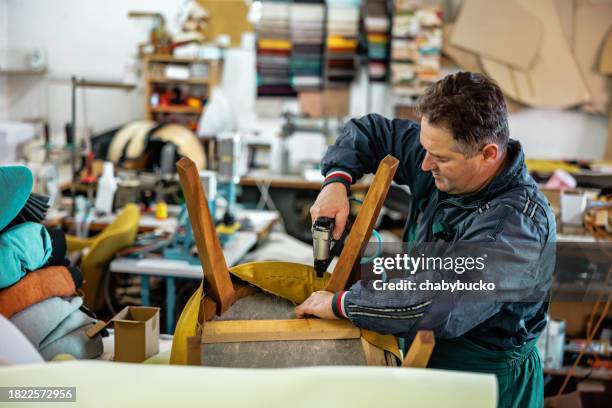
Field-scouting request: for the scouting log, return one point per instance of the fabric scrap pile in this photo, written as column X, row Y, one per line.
column 307, row 18
column 416, row 49
column 377, row 25
column 342, row 27
column 37, row 283
column 274, row 50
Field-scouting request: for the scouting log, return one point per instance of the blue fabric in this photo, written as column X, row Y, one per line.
column 23, row 248
column 15, row 187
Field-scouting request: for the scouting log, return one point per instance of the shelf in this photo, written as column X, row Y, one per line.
column 192, row 81
column 22, row 72
column 178, row 60
column 175, row 109
column 83, row 83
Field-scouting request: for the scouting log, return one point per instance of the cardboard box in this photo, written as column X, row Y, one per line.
column 136, row 333
column 333, row 103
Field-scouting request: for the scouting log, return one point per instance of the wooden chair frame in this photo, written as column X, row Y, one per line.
column 221, row 293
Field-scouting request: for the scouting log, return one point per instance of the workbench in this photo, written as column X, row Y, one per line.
column 171, row 269
column 290, row 195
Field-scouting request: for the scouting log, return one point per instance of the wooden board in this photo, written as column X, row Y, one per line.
column 605, row 60
column 216, row 273
column 566, row 9
column 466, row 60
column 276, row 354
column 608, row 152
column 364, row 223
column 420, row 350
column 555, row 79
column 231, row 331
column 375, row 356
column 592, row 25
column 482, row 26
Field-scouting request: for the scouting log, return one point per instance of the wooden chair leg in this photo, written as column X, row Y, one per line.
column 420, row 350
column 375, row 356
column 194, row 349
column 216, row 273
column 364, row 223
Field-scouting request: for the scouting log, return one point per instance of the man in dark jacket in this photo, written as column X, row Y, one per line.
column 469, row 187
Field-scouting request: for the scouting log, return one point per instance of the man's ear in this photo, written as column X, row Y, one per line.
column 490, row 152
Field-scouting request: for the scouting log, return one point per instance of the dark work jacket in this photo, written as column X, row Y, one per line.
column 510, row 212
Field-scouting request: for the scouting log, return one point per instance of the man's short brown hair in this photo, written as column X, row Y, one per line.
column 469, row 105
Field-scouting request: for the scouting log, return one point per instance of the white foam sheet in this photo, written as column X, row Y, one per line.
column 104, row 384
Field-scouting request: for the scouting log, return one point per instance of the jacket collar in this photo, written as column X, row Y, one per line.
column 514, row 174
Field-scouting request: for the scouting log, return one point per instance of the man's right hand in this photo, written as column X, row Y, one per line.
column 332, row 202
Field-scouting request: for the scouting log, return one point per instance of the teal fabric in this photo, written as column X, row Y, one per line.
column 520, row 380
column 23, row 248
column 15, row 187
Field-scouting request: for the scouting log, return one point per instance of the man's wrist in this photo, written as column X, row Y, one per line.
column 338, row 305
column 338, row 176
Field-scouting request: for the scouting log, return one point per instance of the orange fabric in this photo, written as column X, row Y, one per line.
column 35, row 287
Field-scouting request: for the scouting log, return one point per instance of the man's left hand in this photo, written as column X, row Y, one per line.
column 318, row 304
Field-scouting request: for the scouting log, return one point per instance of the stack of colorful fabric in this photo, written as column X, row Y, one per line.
column 342, row 27
column 37, row 285
column 415, row 49
column 377, row 24
column 274, row 50
column 307, row 18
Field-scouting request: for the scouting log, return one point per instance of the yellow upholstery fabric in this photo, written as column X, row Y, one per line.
column 102, row 248
column 291, row 281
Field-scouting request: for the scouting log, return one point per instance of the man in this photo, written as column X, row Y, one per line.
column 469, row 185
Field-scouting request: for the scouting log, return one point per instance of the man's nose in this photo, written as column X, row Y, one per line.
column 427, row 164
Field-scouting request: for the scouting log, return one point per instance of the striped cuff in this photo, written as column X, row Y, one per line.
column 338, row 304
column 338, row 176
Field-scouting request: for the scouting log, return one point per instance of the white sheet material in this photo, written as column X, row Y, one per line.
column 103, row 384
column 12, row 135
column 15, row 348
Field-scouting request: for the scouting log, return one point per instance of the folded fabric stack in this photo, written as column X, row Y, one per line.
column 377, row 25
column 37, row 285
column 274, row 50
column 415, row 49
column 307, row 19
column 342, row 27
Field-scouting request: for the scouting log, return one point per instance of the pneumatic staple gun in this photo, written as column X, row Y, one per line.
column 324, row 248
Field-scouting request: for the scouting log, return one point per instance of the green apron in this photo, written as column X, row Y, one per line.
column 519, row 375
